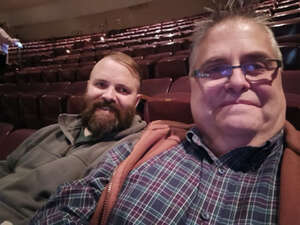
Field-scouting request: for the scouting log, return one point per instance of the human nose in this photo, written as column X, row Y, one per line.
column 237, row 82
column 109, row 94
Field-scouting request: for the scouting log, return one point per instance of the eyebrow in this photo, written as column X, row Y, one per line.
column 256, row 55
column 215, row 60
column 117, row 84
column 224, row 60
column 98, row 80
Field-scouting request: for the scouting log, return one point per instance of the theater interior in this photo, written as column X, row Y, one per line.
column 63, row 39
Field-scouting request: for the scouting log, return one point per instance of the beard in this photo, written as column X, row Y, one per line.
column 103, row 117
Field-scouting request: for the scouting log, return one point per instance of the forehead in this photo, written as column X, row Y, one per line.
column 234, row 38
column 114, row 72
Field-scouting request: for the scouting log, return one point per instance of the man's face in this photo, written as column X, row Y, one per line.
column 232, row 105
column 111, row 97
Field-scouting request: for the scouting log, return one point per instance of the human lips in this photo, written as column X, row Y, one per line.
column 105, row 108
column 240, row 101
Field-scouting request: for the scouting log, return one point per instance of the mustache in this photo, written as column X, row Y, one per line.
column 103, row 103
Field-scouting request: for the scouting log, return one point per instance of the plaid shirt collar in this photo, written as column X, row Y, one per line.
column 242, row 159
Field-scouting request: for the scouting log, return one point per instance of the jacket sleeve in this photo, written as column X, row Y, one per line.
column 75, row 202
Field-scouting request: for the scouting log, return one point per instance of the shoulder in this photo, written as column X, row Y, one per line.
column 292, row 137
column 175, row 160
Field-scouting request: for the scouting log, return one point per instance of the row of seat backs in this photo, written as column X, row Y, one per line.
column 36, row 106
column 153, row 66
column 84, row 41
column 135, row 47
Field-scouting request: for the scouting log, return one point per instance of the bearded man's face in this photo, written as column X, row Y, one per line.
column 110, row 99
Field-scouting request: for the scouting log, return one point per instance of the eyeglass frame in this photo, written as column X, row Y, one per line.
column 196, row 73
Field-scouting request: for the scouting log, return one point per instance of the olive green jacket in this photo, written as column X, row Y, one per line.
column 47, row 159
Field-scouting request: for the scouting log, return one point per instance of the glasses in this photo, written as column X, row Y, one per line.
column 256, row 70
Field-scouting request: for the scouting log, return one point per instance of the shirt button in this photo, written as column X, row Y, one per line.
column 221, row 171
column 205, row 215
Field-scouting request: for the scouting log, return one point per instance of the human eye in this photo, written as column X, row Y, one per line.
column 218, row 71
column 255, row 68
column 101, row 84
column 123, row 90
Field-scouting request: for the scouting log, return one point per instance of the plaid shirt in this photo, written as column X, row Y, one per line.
column 186, row 185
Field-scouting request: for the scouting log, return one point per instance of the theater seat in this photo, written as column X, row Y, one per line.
column 170, row 106
column 143, row 50
column 51, row 105
column 75, row 104
column 146, row 66
column 5, row 130
column 150, row 88
column 50, row 75
column 11, row 114
column 4, row 89
column 293, row 115
column 83, row 74
column 67, row 74
column 182, row 84
column 291, row 81
column 154, row 86
column 174, row 66
column 11, row 142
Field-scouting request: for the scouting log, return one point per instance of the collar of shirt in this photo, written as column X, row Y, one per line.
column 242, row 159
column 82, row 139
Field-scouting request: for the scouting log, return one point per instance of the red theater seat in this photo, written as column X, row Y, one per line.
column 174, row 66
column 291, row 81
column 51, row 105
column 182, row 84
column 75, row 104
column 171, row 106
column 155, row 86
column 83, row 74
column 5, row 130
column 11, row 142
column 67, row 74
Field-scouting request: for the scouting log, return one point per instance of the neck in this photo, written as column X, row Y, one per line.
column 221, row 143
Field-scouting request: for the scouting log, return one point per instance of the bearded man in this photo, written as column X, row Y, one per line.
column 66, row 151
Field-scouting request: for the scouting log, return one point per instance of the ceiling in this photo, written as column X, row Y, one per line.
column 8, row 5
column 40, row 19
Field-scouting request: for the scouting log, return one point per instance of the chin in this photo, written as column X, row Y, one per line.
column 240, row 124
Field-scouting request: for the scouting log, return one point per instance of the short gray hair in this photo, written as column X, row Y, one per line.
column 232, row 10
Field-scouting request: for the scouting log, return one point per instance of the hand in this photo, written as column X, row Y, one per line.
column 17, row 43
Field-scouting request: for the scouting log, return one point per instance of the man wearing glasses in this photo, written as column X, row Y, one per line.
column 236, row 166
